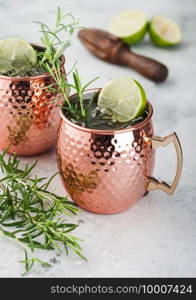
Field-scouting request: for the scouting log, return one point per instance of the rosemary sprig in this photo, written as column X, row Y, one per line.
column 50, row 61
column 81, row 112
column 32, row 215
column 80, row 90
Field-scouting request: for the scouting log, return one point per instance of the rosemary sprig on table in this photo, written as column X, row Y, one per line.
column 32, row 215
column 51, row 61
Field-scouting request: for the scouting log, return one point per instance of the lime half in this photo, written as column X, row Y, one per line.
column 164, row 32
column 16, row 53
column 130, row 26
column 123, row 98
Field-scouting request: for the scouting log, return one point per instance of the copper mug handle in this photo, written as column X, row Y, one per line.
column 154, row 184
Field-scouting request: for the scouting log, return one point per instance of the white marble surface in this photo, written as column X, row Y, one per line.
column 157, row 236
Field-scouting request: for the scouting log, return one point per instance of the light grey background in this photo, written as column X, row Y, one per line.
column 157, row 236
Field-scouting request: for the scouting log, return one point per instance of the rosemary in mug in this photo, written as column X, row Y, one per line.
column 32, row 215
column 50, row 60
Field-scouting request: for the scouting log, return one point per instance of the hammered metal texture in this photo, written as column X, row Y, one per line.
column 105, row 173
column 29, row 119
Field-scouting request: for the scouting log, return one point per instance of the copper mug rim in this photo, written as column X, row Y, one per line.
column 27, row 78
column 103, row 131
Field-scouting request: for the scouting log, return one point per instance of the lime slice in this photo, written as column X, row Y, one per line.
column 164, row 32
column 129, row 25
column 123, row 98
column 16, row 53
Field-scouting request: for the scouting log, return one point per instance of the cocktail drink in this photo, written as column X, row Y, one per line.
column 29, row 117
column 106, row 158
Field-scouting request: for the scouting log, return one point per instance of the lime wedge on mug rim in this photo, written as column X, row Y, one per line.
column 17, row 52
column 124, row 98
column 164, row 32
column 129, row 25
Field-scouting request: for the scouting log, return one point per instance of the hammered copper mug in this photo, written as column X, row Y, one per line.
column 29, row 116
column 107, row 171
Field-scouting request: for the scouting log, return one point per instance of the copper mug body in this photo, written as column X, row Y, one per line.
column 107, row 171
column 29, row 118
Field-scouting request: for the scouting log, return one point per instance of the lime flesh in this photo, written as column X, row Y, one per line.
column 164, row 32
column 17, row 54
column 130, row 26
column 123, row 98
